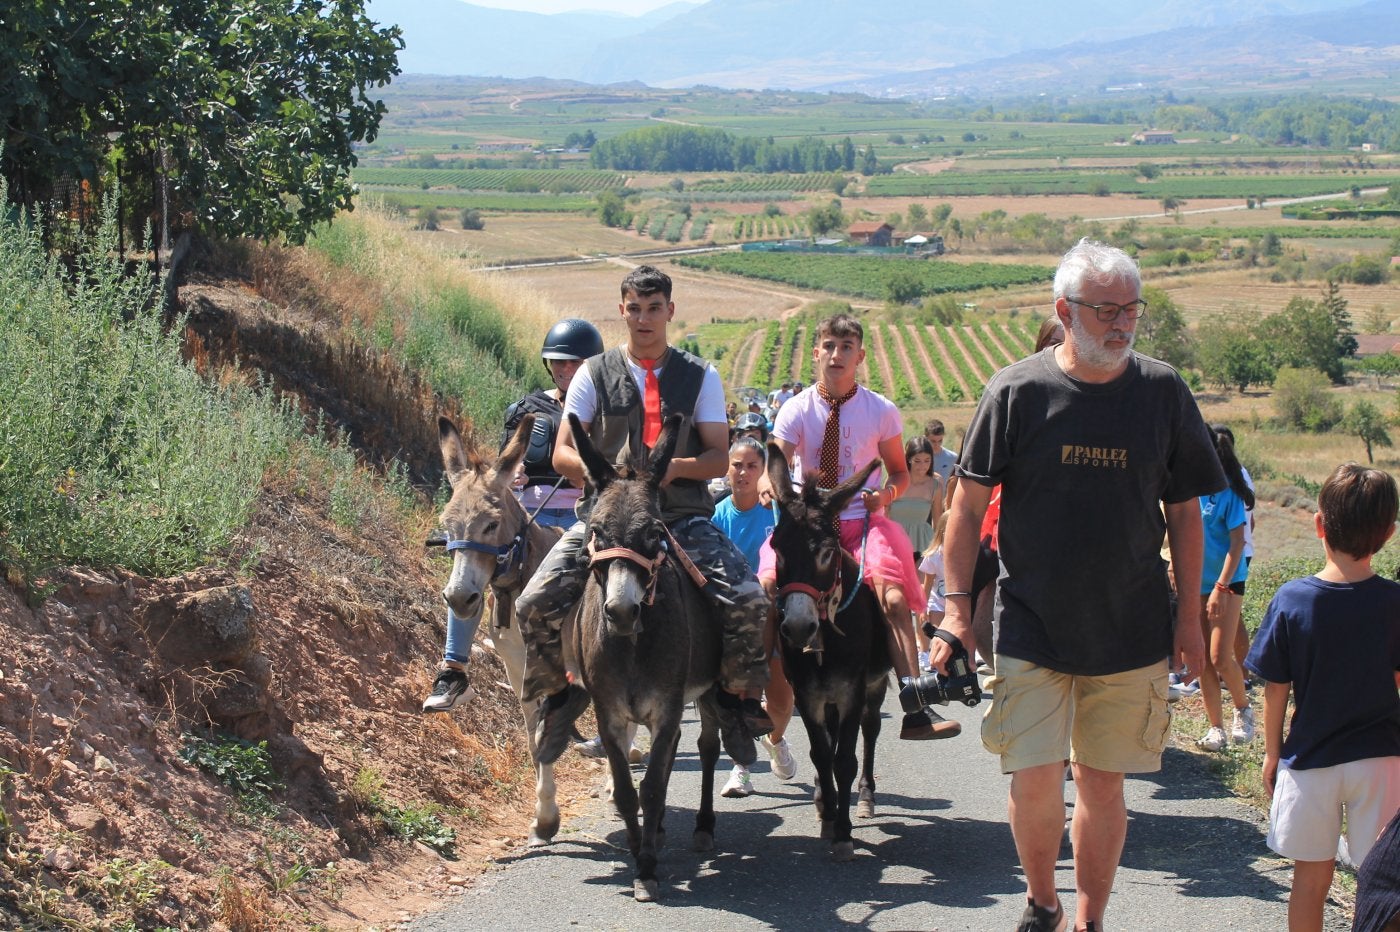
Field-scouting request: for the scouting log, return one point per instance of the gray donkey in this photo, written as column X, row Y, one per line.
column 647, row 643
column 496, row 549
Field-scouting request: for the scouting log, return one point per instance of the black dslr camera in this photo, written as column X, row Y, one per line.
column 960, row 685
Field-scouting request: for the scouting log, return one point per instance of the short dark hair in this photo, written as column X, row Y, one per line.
column 1358, row 506
column 932, row 426
column 646, row 280
column 841, row 325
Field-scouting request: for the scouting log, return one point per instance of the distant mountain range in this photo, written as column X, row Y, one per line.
column 909, row 48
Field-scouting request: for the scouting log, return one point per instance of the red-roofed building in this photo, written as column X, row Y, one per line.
column 870, row 232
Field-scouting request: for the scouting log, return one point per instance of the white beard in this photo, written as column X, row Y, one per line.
column 1093, row 353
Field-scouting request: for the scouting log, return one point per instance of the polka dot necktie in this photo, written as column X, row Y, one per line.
column 829, row 460
column 651, row 403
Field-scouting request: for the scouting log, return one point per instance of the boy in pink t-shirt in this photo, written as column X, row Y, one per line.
column 870, row 428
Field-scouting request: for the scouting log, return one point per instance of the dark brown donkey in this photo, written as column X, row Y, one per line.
column 647, row 643
column 496, row 548
column 822, row 603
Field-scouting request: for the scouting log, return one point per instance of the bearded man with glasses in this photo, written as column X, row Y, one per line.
column 1098, row 451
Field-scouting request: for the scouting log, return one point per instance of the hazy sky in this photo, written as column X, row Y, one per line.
column 633, row 7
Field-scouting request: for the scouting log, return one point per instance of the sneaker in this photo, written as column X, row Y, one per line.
column 738, row 785
column 784, row 766
column 593, row 748
column 1039, row 919
column 927, row 725
column 923, row 661
column 1179, row 691
column 449, row 689
column 554, row 720
column 1242, row 730
column 1213, row 740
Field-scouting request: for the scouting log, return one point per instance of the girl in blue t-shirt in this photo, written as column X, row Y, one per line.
column 1223, row 573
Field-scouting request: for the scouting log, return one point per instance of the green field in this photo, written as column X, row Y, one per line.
column 1204, row 185
column 868, row 276
column 455, row 200
column 552, row 181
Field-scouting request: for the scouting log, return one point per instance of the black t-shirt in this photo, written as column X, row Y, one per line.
column 1084, row 469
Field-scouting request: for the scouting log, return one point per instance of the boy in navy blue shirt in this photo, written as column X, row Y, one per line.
column 1334, row 640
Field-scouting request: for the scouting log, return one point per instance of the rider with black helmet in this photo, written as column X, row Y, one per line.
column 566, row 346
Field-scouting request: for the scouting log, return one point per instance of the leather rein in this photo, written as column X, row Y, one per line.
column 650, row 566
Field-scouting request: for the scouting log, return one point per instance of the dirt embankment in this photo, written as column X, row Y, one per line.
column 316, row 637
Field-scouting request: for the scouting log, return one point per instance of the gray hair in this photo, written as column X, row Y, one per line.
column 1091, row 260
column 748, row 443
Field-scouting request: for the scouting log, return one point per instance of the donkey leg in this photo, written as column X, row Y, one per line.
column 613, row 731
column 870, row 731
column 708, row 746
column 842, row 847
column 665, row 736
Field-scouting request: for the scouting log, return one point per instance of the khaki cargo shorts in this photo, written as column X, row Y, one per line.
column 1117, row 723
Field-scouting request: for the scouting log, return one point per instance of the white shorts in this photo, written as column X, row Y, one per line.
column 1305, row 819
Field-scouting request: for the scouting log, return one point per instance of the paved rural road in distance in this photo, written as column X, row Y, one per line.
column 938, row 855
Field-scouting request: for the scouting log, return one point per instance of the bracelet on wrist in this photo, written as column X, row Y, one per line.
column 949, row 595
column 1221, row 587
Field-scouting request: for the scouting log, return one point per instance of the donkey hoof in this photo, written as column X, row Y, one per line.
column 828, row 829
column 646, row 891
column 702, row 841
column 538, row 840
column 843, row 850
column 865, row 809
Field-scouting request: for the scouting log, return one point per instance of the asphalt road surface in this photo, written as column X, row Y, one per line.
column 938, row 855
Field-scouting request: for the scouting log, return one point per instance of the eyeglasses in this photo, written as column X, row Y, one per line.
column 1109, row 312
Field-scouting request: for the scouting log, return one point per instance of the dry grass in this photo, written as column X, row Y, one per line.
column 526, row 236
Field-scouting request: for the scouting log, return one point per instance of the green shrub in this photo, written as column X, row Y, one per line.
column 113, row 450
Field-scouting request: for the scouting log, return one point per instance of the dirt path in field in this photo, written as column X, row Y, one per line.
column 897, row 338
column 796, row 356
column 962, row 347
column 882, row 359
column 924, row 357
column 747, row 359
column 995, row 337
column 974, row 338
column 947, row 355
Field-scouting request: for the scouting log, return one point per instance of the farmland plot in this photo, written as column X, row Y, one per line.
column 869, row 277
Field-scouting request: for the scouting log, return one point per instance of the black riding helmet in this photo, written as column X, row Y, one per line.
column 751, row 421
column 571, row 338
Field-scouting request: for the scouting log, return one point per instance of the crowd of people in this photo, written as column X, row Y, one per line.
column 1065, row 543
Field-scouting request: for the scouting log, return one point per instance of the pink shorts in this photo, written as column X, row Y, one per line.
column 889, row 557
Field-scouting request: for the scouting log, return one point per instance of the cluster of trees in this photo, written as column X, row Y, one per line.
column 239, row 115
column 1298, row 120
column 1238, row 350
column 691, row 148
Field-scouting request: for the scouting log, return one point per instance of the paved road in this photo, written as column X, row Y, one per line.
column 938, row 855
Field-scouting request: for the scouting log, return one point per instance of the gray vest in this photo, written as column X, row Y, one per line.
column 616, row 430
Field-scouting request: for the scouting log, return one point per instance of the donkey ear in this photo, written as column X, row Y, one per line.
column 600, row 471
column 841, row 495
column 665, row 448
column 513, row 452
column 454, row 453
column 780, row 474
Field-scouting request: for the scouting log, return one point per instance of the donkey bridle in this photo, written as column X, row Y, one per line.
column 651, row 566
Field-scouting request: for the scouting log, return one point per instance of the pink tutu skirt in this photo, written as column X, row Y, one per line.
column 889, row 557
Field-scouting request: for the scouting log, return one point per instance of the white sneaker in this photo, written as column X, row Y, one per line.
column 784, row 766
column 1214, row 740
column 738, row 786
column 635, row 755
column 1179, row 691
column 1242, row 730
